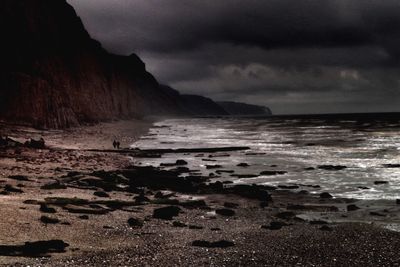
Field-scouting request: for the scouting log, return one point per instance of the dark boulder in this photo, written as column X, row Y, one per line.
column 49, row 220
column 209, row 167
column 34, row 249
column 166, row 213
column 9, row 142
column 332, row 167
column 73, row 174
column 325, row 195
column 352, row 207
column 36, row 144
column 217, row 186
column 391, row 165
column 157, row 179
column 101, row 194
column 225, row 212
column 46, row 209
column 195, row 227
column 181, row 162
column 380, row 182
column 133, row 222
column 363, row 188
column 243, row 165
column 11, row 189
column 54, row 186
column 19, row 177
column 141, row 198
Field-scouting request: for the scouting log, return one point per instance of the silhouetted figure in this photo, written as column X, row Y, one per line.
column 115, row 144
column 118, row 144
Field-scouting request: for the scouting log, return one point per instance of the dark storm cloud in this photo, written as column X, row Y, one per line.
column 165, row 26
column 293, row 55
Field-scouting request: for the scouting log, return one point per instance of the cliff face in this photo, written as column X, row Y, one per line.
column 194, row 105
column 242, row 109
column 52, row 74
column 202, row 106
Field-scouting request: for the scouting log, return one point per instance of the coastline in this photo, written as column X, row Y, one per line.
column 96, row 136
column 266, row 226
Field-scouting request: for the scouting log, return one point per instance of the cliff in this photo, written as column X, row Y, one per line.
column 194, row 105
column 52, row 74
column 242, row 109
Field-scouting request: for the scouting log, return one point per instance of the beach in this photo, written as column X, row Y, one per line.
column 92, row 205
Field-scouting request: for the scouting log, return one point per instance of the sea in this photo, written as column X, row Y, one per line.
column 367, row 145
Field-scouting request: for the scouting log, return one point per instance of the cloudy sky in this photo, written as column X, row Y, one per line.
column 308, row 56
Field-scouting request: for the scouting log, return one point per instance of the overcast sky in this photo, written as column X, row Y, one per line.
column 295, row 56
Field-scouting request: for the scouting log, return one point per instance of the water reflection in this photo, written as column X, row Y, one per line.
column 363, row 145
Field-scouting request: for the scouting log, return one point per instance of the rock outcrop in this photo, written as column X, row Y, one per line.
column 194, row 105
column 52, row 74
column 242, row 109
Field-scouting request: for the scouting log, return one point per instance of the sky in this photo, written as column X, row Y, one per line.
column 308, row 56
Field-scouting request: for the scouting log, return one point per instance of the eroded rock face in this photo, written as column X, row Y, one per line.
column 52, row 74
column 194, row 105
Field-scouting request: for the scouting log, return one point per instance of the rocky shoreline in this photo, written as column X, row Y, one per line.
column 96, row 207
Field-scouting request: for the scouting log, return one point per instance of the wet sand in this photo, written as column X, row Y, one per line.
column 86, row 198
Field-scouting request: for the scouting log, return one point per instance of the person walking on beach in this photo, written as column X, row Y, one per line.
column 116, row 144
